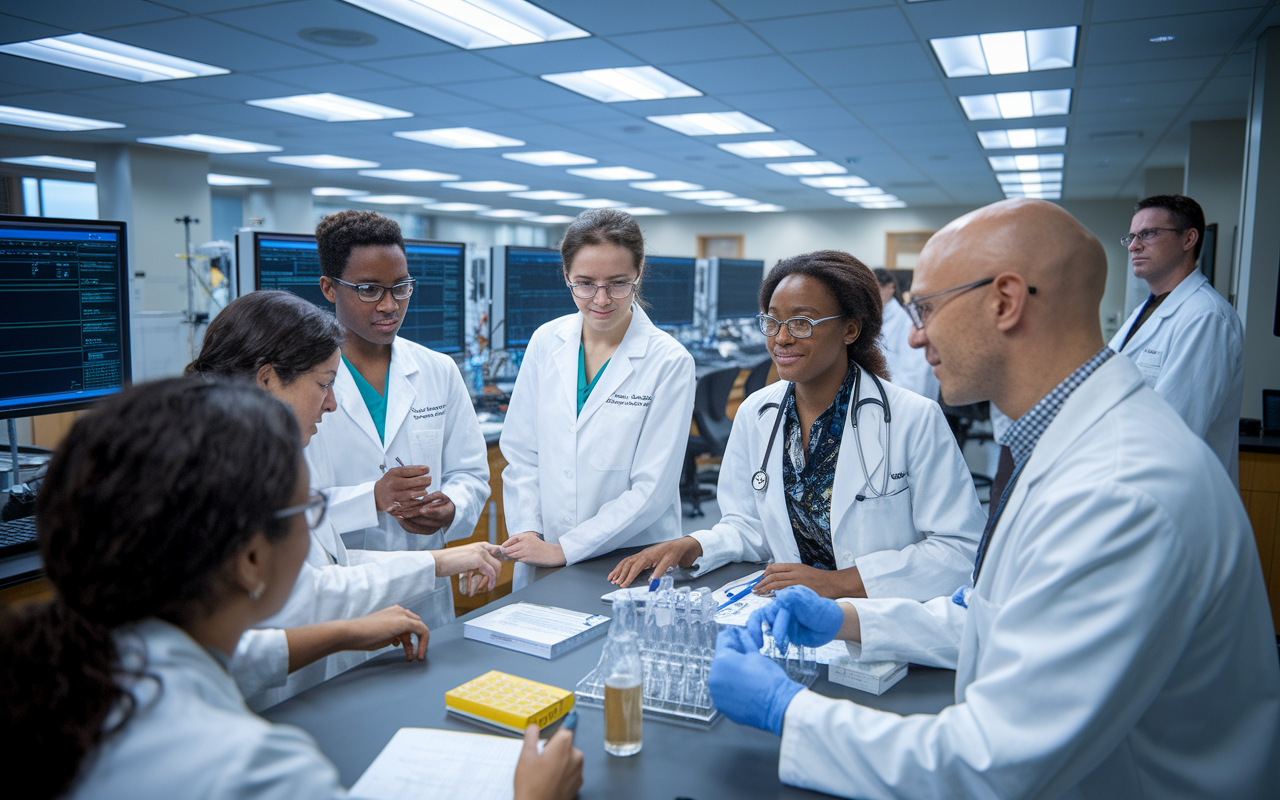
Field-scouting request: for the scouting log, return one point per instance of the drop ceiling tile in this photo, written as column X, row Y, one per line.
column 801, row 122
column 155, row 122
column 1210, row 111
column 1238, row 64
column 693, row 44
column 16, row 29
column 39, row 76
column 88, row 15
column 765, row 73
column 936, row 19
column 675, row 105
column 1207, row 34
column 604, row 19
column 840, row 29
column 750, row 102
column 1164, row 69
column 78, row 105
column 872, row 64
column 1115, row 10
column 339, row 78
column 149, row 95
column 520, row 93
column 204, row 6
column 1135, row 98
column 584, row 113
column 566, row 56
column 857, row 96
column 442, row 68
column 284, row 21
column 923, row 111
column 424, row 101
column 220, row 45
column 770, row 9
column 238, row 86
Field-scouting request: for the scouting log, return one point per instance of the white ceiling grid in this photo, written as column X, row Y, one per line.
column 855, row 80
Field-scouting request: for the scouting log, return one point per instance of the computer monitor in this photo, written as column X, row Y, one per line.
column 737, row 283
column 669, row 290
column 64, row 313
column 436, row 316
column 528, row 290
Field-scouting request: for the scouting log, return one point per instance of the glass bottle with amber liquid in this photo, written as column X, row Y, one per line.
column 623, row 676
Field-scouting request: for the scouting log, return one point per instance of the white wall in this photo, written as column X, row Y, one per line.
column 1215, row 171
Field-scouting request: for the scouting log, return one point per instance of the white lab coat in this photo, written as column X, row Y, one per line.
column 918, row 541
column 1191, row 351
column 908, row 366
column 191, row 734
column 430, row 421
column 1118, row 643
column 610, row 476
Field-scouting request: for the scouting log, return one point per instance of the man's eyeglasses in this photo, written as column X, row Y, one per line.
column 373, row 292
column 314, row 508
column 799, row 327
column 920, row 308
column 618, row 290
column 1146, row 235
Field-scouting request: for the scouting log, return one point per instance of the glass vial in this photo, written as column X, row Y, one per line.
column 623, row 675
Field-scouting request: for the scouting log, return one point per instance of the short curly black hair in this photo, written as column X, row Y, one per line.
column 337, row 234
column 1186, row 213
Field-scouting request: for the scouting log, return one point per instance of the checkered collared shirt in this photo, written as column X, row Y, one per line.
column 1022, row 435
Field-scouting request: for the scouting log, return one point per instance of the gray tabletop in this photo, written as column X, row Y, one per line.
column 354, row 715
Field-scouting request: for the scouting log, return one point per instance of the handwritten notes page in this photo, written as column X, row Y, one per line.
column 427, row 762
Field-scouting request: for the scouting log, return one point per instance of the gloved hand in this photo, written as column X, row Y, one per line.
column 747, row 687
column 797, row 614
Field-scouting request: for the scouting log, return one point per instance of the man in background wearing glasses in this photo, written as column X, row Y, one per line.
column 1186, row 339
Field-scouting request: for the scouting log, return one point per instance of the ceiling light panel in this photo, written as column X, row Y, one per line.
column 487, row 186
column 611, row 173
column 478, row 23
column 720, row 123
column 550, row 158
column 54, row 162
column 878, row 197
column 592, row 202
column 455, row 207
column 410, row 175
column 552, row 219
column 1011, row 163
column 835, row 182
column 705, row 194
column 807, row 168
column 328, row 107
column 644, row 211
column 30, row 118
column 1029, row 177
column 1006, row 52
column 778, row 148
column 1016, row 105
column 395, row 199
column 666, row 186
column 235, row 180
column 211, row 144
column 460, row 138
column 1016, row 138
column 105, row 57
column 335, row 191
column 623, row 84
column 548, row 194
column 859, row 191
column 322, row 161
column 730, row 202
column 760, row 208
column 1037, row 195
column 508, row 213
column 885, row 204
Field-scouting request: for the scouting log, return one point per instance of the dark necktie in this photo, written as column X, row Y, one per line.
column 1003, row 471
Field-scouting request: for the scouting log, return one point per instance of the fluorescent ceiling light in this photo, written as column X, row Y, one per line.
column 30, row 118
column 552, row 219
column 611, row 173
column 210, row 144
column 459, row 138
column 666, row 186
column 720, row 123
column 881, row 197
column 548, row 194
column 594, row 202
column 54, row 162
column 1016, row 105
column 235, row 180
column 861, row 191
column 1007, row 52
column 777, row 148
column 550, row 158
column 1029, row 177
column 323, row 161
column 1044, row 195
column 487, row 186
column 1010, row 163
column 730, row 202
column 1023, row 188
column 705, row 194
column 1022, row 137
column 885, row 204
column 329, row 107
column 395, row 199
column 835, row 182
column 335, row 191
column 807, row 168
column 411, row 175
column 105, row 57
column 644, row 211
column 508, row 213
column 455, row 207
column 477, row 23
column 623, row 84
column 762, row 208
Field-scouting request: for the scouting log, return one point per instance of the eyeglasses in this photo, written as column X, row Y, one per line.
column 1146, row 235
column 373, row 292
column 617, row 290
column 919, row 309
column 799, row 327
column 314, row 508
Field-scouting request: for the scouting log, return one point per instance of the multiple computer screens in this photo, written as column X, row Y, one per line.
column 436, row 315
column 528, row 289
column 64, row 314
column 737, row 284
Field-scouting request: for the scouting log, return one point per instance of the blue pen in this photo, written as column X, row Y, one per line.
column 733, row 598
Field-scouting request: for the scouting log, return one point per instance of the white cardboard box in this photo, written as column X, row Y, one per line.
column 868, row 676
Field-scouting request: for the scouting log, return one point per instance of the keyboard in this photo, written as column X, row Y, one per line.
column 17, row 536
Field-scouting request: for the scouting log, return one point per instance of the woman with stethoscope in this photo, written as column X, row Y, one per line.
column 850, row 485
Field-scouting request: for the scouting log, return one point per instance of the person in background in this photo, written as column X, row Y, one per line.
column 1115, row 639
column 599, row 418
column 849, row 484
column 402, row 457
column 1186, row 340
column 907, row 366
column 123, row 674
column 343, row 602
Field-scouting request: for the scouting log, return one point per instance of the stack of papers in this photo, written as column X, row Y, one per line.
column 543, row 631
column 424, row 762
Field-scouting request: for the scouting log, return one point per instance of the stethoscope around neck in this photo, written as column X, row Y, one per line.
column 760, row 479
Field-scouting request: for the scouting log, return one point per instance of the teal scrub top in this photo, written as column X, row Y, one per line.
column 376, row 403
column 584, row 388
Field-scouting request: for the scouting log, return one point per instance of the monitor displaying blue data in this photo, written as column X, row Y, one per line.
column 669, row 289
column 64, row 313
column 436, row 316
column 528, row 291
column 737, row 285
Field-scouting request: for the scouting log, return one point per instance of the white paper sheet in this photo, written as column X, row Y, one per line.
column 426, row 762
column 737, row 613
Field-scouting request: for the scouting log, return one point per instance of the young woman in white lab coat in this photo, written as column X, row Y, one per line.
column 825, row 502
column 598, row 422
column 124, row 687
column 343, row 605
column 402, row 458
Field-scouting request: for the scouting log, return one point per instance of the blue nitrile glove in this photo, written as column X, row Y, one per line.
column 797, row 614
column 747, row 687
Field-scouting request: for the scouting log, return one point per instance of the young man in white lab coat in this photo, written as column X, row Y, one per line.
column 402, row 459
column 908, row 367
column 1186, row 339
column 1116, row 641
